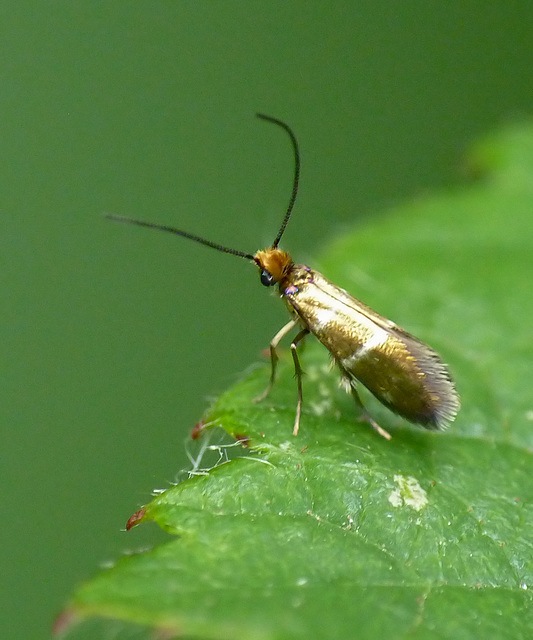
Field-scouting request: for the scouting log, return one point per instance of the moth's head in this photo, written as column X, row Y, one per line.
column 273, row 265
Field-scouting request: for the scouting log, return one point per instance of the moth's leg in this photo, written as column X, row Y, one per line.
column 366, row 417
column 274, row 357
column 298, row 374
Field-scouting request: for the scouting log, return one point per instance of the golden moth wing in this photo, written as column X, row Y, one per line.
column 402, row 372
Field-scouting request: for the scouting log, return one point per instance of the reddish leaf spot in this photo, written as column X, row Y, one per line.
column 135, row 519
column 244, row 440
column 64, row 622
column 197, row 430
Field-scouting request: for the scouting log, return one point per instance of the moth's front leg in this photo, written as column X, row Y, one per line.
column 274, row 357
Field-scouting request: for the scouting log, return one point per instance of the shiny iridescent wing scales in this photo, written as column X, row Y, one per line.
column 402, row 372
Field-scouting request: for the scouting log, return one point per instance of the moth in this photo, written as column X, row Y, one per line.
column 402, row 372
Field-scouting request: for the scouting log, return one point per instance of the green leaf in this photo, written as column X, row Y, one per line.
column 337, row 532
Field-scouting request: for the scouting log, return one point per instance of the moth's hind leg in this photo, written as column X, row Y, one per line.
column 349, row 384
column 366, row 417
column 274, row 357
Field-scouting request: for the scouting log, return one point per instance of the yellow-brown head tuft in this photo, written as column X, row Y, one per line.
column 274, row 261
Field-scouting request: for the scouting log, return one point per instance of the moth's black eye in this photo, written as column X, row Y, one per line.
column 267, row 279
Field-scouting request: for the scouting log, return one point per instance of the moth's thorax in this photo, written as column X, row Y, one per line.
column 296, row 277
column 277, row 262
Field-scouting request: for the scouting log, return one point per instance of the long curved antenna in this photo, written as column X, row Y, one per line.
column 296, row 179
column 185, row 234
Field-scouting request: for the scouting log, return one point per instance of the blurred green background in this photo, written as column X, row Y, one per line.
column 115, row 337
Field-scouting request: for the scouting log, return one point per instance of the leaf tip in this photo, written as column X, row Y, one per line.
column 135, row 519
